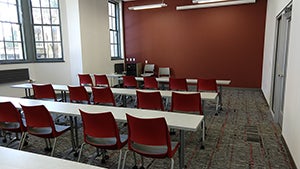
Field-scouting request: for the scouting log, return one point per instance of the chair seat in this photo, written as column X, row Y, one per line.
column 61, row 128
column 158, row 151
column 40, row 130
column 111, row 141
column 44, row 131
column 147, row 74
column 9, row 125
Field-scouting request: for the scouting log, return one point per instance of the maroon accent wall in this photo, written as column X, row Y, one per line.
column 221, row 42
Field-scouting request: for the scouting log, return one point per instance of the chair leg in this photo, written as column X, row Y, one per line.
column 124, row 159
column 120, row 159
column 134, row 155
column 80, row 152
column 22, row 142
column 53, row 148
column 16, row 138
column 142, row 161
column 172, row 163
column 22, row 139
column 135, row 166
column 104, row 156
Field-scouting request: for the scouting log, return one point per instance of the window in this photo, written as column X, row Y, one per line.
column 34, row 37
column 114, row 30
column 46, row 26
column 11, row 47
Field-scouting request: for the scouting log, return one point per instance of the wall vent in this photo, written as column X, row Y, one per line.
column 13, row 75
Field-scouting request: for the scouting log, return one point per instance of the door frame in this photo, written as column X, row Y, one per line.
column 276, row 117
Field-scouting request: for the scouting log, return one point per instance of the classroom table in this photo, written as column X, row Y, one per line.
column 220, row 83
column 122, row 91
column 17, row 159
column 181, row 121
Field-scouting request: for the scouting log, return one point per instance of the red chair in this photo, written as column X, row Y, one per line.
column 78, row 94
column 103, row 95
column 85, row 80
column 44, row 91
column 39, row 123
column 178, row 84
column 101, row 131
column 11, row 121
column 150, row 83
column 209, row 85
column 188, row 103
column 150, row 138
column 101, row 80
column 129, row 82
column 149, row 100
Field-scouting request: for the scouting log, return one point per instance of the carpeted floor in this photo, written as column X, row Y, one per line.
column 242, row 136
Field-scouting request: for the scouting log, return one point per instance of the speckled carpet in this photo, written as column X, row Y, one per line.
column 242, row 136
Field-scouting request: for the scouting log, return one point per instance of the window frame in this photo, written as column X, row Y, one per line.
column 25, row 18
column 117, row 23
column 35, row 59
column 19, row 23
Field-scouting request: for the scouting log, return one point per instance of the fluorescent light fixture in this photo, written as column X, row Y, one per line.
column 216, row 4
column 207, row 1
column 151, row 6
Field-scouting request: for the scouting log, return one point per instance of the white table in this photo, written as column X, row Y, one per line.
column 17, row 159
column 220, row 83
column 122, row 91
column 182, row 122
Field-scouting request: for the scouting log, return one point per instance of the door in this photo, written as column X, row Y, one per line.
column 279, row 72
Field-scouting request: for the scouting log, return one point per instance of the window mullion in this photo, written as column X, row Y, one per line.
column 28, row 43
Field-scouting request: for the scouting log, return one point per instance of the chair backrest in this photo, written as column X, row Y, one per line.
column 150, row 82
column 188, row 103
column 164, row 72
column 207, row 85
column 149, row 100
column 129, row 82
column 85, row 80
column 78, row 94
column 178, row 84
column 148, row 131
column 101, row 80
column 100, row 125
column 149, row 68
column 43, row 91
column 10, row 118
column 103, row 95
column 39, row 117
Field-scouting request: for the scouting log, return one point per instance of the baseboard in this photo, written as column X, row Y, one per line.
column 241, row 88
column 293, row 164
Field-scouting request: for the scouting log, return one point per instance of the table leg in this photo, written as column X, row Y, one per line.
column 63, row 96
column 74, row 138
column 72, row 133
column 119, row 82
column 26, row 93
column 181, row 150
column 76, row 132
column 220, row 97
column 124, row 100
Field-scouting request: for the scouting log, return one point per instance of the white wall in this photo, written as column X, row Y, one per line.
column 85, row 35
column 291, row 116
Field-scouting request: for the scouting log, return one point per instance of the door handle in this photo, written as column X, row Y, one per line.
column 280, row 75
